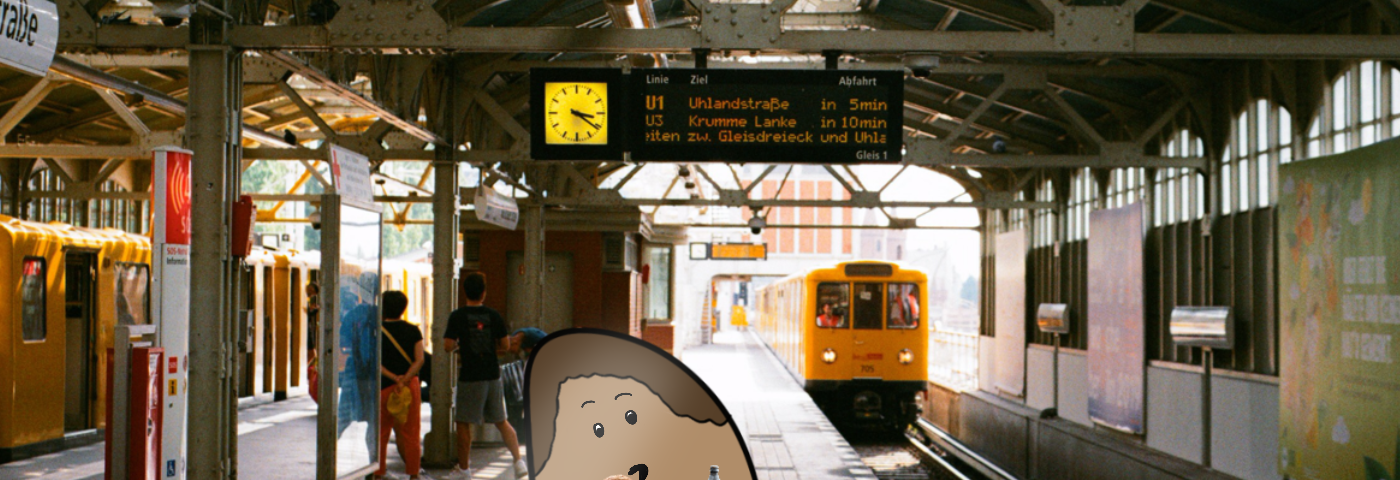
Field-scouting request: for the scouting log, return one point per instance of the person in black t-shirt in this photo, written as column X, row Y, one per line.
column 476, row 333
column 397, row 370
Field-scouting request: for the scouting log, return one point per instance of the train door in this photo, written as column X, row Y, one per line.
column 80, row 391
column 832, row 338
column 298, row 322
column 248, row 310
column 265, row 323
column 425, row 303
column 868, row 323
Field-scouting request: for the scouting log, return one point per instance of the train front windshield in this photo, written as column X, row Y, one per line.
column 874, row 306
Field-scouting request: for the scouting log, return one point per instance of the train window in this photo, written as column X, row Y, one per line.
column 865, row 307
column 133, row 293
column 34, row 298
column 833, row 301
column 904, row 305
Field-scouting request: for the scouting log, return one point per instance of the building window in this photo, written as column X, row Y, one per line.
column 1180, row 192
column 659, row 285
column 34, row 299
column 1360, row 108
column 1263, row 138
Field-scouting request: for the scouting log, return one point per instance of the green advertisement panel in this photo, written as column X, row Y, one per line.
column 1339, row 304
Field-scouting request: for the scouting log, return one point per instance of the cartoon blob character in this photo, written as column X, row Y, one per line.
column 607, row 405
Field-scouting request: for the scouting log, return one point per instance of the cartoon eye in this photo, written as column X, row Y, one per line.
column 598, row 430
column 631, row 417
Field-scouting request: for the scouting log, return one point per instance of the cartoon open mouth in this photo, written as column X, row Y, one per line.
column 640, row 467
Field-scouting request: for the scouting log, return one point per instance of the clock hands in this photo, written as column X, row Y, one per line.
column 585, row 117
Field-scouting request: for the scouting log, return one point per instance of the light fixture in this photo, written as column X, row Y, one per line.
column 829, row 356
column 634, row 15
column 906, row 357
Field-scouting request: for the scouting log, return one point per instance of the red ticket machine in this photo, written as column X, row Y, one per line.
column 145, row 414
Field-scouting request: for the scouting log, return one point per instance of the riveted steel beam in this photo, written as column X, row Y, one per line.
column 933, row 152
column 320, row 78
column 814, row 226
column 565, row 39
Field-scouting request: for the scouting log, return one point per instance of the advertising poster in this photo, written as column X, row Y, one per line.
column 1011, row 313
column 1339, row 309
column 1117, row 343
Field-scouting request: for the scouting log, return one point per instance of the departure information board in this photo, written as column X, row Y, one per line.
column 788, row 116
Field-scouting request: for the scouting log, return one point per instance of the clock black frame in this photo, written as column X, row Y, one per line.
column 617, row 106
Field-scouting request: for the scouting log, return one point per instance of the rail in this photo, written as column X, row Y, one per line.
column 964, row 454
column 948, row 467
column 952, row 359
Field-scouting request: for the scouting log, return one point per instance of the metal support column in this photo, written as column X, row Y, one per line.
column 439, row 449
column 532, row 218
column 16, row 176
column 212, row 134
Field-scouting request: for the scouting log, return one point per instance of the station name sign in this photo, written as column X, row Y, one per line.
column 28, row 34
column 780, row 116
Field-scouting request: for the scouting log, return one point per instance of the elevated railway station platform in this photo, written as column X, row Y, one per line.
column 899, row 239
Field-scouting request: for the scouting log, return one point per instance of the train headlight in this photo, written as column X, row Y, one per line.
column 906, row 357
column 829, row 356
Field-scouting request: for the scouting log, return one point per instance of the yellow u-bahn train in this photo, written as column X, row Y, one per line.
column 63, row 289
column 854, row 335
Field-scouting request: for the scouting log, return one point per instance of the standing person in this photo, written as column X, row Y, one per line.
column 401, row 355
column 522, row 343
column 476, row 332
column 357, row 358
column 313, row 319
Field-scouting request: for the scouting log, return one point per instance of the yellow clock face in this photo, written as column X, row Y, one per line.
column 576, row 113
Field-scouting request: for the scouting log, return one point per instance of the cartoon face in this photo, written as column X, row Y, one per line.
column 606, row 426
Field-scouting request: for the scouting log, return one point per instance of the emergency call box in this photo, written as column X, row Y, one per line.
column 145, row 414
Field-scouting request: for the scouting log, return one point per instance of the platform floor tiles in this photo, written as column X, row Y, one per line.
column 788, row 436
column 275, row 441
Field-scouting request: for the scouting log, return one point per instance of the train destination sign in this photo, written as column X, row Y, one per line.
column 767, row 115
column 787, row 116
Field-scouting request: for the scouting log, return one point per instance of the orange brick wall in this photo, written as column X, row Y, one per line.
column 660, row 335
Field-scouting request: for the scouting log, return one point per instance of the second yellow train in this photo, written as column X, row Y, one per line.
column 63, row 289
column 855, row 336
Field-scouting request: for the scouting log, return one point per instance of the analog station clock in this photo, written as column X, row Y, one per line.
column 576, row 113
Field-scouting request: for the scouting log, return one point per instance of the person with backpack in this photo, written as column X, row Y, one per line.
column 522, row 344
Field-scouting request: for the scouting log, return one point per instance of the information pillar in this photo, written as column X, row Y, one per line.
column 170, row 299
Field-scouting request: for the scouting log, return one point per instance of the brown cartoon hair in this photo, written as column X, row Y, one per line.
column 581, row 353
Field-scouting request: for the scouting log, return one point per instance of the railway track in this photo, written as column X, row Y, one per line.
column 921, row 453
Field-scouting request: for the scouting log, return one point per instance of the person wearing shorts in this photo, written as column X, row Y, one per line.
column 477, row 333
